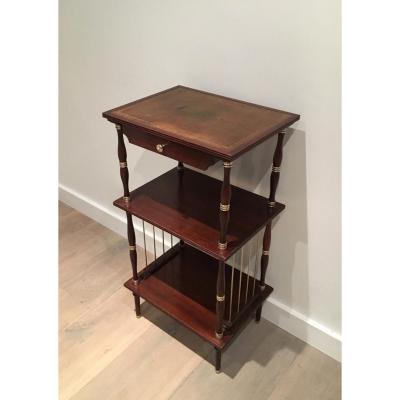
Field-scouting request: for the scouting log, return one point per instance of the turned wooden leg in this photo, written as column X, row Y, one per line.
column 225, row 206
column 220, row 306
column 265, row 253
column 264, row 263
column 123, row 165
column 258, row 314
column 222, row 244
column 124, row 172
column 137, row 306
column 132, row 247
column 133, row 257
column 276, row 168
column 217, row 360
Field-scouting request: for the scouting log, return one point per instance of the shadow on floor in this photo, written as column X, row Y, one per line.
column 257, row 342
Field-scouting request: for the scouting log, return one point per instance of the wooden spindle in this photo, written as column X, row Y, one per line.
column 133, row 257
column 124, row 173
column 264, row 263
column 276, row 168
column 220, row 306
column 123, row 165
column 224, row 206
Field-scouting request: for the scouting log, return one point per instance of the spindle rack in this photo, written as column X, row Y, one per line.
column 195, row 280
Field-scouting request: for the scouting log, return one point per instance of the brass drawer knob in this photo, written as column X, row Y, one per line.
column 160, row 147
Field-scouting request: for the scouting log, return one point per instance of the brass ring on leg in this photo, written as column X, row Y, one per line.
column 228, row 164
column 224, row 207
column 222, row 246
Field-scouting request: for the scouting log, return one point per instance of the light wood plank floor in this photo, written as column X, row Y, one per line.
column 106, row 353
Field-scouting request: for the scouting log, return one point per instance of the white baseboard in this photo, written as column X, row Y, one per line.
column 299, row 325
column 306, row 329
column 108, row 217
column 111, row 218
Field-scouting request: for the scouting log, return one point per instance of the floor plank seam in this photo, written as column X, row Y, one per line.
column 92, row 309
column 189, row 375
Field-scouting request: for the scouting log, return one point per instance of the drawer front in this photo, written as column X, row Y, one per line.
column 144, row 138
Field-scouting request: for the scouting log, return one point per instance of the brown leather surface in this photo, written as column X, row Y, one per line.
column 215, row 124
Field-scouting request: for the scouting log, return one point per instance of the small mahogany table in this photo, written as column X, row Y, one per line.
column 191, row 281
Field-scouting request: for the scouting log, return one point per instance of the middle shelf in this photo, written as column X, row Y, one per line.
column 185, row 203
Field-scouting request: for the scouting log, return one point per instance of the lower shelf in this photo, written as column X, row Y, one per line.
column 182, row 283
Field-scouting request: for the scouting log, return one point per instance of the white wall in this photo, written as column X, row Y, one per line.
column 283, row 54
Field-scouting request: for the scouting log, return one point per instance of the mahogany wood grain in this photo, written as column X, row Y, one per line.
column 216, row 125
column 188, row 312
column 185, row 204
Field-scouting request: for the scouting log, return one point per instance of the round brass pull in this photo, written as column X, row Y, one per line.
column 160, row 147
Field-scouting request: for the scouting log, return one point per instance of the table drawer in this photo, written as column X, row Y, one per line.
column 146, row 139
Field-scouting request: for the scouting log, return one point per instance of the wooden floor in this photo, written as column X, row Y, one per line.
column 107, row 353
